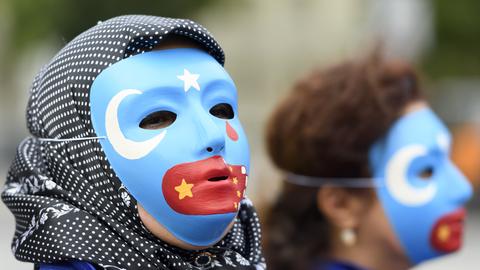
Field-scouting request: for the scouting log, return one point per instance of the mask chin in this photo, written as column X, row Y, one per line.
column 162, row 233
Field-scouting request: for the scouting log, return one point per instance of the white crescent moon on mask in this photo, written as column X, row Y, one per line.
column 397, row 181
column 125, row 147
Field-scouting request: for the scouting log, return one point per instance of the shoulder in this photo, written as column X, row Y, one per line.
column 78, row 265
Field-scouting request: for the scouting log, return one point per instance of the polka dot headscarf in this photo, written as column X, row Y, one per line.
column 67, row 201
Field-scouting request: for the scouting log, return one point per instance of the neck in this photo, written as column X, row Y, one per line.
column 367, row 255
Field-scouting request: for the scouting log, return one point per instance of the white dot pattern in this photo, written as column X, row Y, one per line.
column 67, row 200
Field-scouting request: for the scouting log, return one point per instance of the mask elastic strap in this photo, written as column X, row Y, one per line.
column 313, row 181
column 71, row 139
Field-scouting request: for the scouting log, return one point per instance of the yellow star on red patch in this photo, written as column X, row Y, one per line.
column 444, row 233
column 184, row 190
column 235, row 180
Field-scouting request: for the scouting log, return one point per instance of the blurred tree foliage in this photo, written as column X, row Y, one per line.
column 37, row 20
column 456, row 51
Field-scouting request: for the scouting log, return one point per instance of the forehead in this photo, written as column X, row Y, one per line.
column 161, row 68
column 418, row 127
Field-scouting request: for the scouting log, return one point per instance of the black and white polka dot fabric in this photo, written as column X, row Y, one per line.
column 67, row 201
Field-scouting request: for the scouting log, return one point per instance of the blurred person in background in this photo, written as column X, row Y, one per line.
column 369, row 182
column 136, row 157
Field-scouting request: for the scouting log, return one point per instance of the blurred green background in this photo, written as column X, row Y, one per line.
column 268, row 44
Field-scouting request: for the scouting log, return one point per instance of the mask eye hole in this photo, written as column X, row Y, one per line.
column 222, row 111
column 158, row 119
column 426, row 173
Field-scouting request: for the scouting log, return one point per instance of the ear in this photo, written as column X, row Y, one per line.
column 341, row 207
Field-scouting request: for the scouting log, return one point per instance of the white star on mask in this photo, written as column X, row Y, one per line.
column 189, row 80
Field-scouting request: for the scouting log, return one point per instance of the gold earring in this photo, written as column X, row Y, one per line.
column 348, row 237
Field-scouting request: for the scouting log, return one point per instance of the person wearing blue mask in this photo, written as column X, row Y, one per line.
column 137, row 158
column 369, row 183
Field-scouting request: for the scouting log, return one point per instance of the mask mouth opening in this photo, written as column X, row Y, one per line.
column 218, row 178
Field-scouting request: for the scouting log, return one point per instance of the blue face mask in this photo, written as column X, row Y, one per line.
column 174, row 139
column 421, row 190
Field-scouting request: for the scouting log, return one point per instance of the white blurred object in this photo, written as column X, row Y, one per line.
column 405, row 26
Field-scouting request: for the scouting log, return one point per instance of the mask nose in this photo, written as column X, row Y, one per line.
column 462, row 190
column 212, row 139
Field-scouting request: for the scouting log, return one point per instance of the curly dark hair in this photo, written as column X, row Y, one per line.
column 325, row 127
